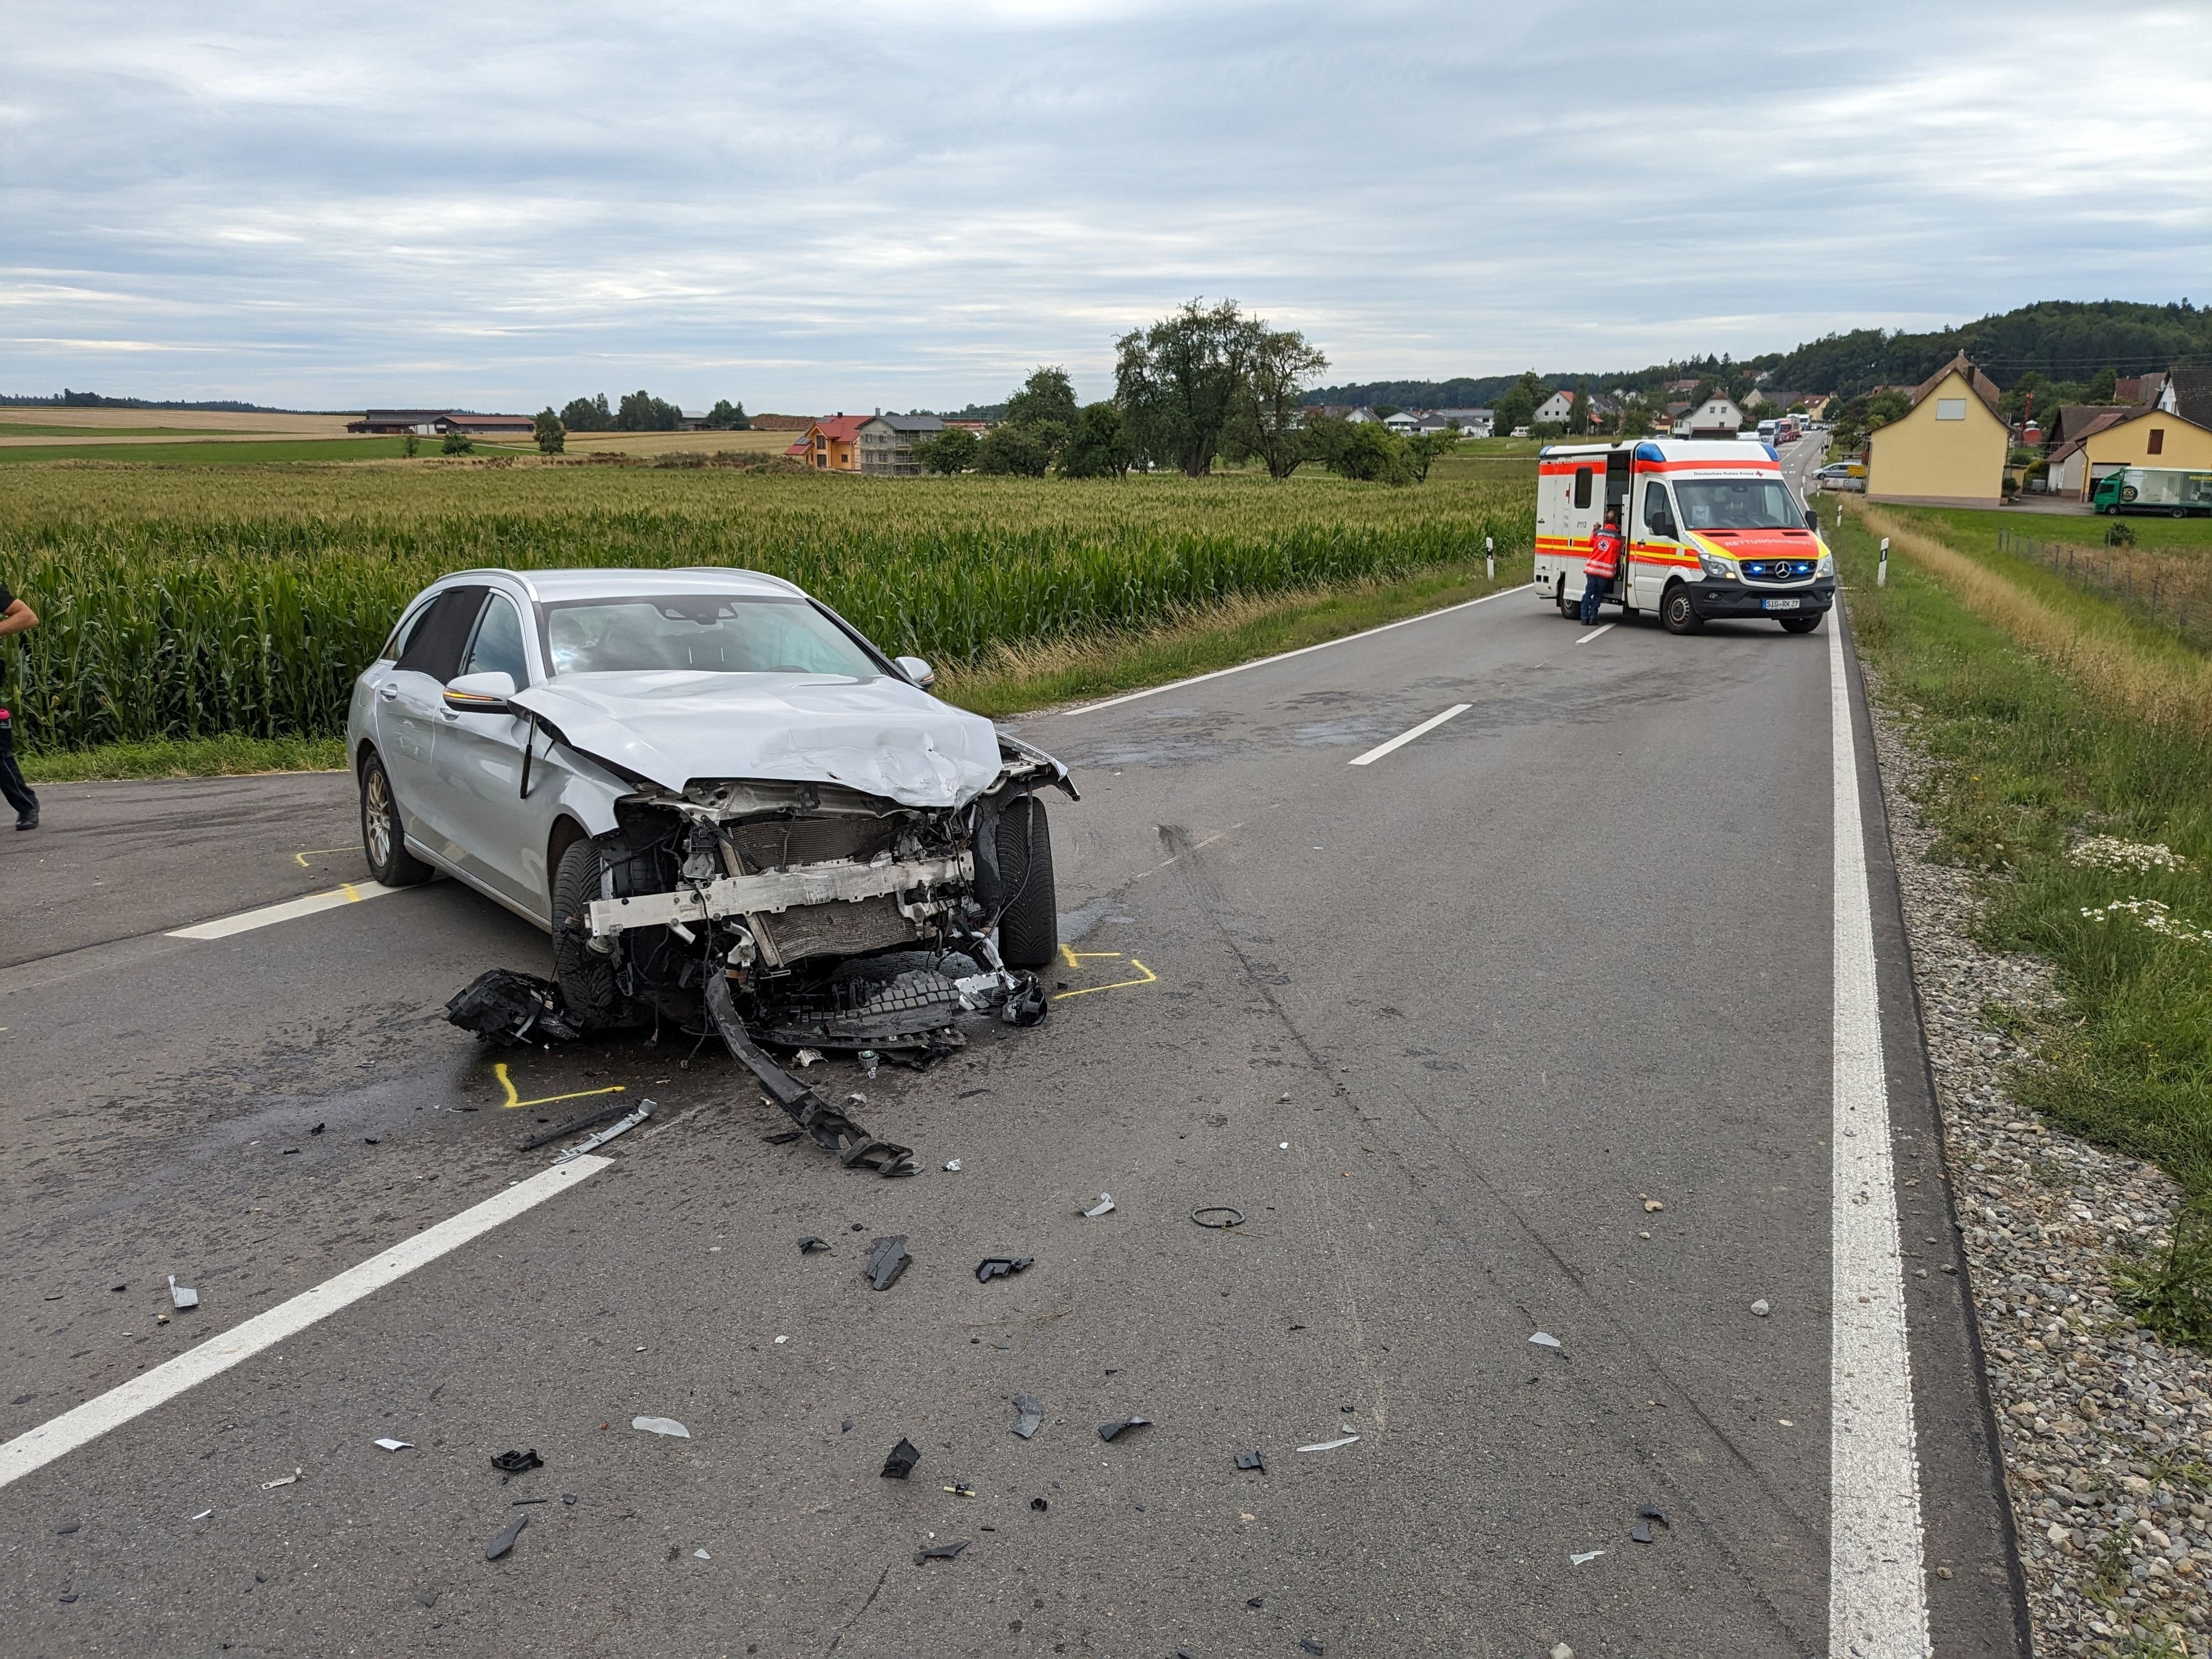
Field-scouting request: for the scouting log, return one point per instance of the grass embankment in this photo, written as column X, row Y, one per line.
column 181, row 605
column 2055, row 715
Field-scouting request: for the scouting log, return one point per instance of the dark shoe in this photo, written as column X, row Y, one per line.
column 29, row 820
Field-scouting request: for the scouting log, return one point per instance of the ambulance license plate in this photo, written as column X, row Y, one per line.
column 1779, row 605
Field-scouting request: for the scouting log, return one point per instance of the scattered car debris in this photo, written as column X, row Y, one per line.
column 667, row 1425
column 1546, row 1339
column 1652, row 1512
column 866, row 1058
column 620, row 1126
column 183, row 1295
column 783, row 1137
column 806, row 1057
column 573, row 1125
column 203, row 1514
column 1330, row 1445
column 961, row 1489
column 1002, row 1266
column 887, row 1260
column 1309, row 1645
column 1587, row 1555
column 830, row 1128
column 64, row 1532
column 951, row 1166
column 1217, row 1215
column 1029, row 1414
column 514, row 1462
column 700, row 1555
column 780, row 1341
column 812, row 1245
column 568, row 1497
column 940, row 1552
column 1103, row 1207
column 900, row 1464
column 1760, row 1309
column 520, row 1502
column 1563, row 1651
column 512, row 1009
column 1640, row 1532
column 1121, row 1425
column 1039, row 1505
column 396, row 1445
column 318, row 1129
column 284, row 1480
column 1251, row 1460
column 504, row 1540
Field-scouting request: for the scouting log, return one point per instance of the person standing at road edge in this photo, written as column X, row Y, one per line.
column 1602, row 565
column 15, row 617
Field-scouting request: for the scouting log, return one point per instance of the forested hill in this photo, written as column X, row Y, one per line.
column 2064, row 340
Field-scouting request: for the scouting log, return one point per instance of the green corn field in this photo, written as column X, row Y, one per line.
column 181, row 604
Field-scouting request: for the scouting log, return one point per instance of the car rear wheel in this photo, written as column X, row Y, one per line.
column 585, row 977
column 384, row 833
column 1677, row 614
column 1568, row 608
column 1029, row 922
column 1798, row 624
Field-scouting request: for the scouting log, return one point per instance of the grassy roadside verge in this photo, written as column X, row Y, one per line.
column 2053, row 716
column 1010, row 681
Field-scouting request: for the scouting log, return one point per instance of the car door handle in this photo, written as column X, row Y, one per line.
column 389, row 693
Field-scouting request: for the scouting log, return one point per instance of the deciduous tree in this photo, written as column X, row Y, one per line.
column 1267, row 419
column 588, row 415
column 551, row 437
column 952, row 450
column 727, row 417
column 1178, row 381
column 1045, row 396
column 1099, row 446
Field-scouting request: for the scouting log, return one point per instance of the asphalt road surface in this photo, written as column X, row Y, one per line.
column 1448, row 1027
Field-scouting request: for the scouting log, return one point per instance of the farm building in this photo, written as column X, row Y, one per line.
column 437, row 422
column 2121, row 438
column 887, row 444
column 1948, row 449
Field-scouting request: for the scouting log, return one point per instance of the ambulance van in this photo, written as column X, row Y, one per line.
column 1712, row 531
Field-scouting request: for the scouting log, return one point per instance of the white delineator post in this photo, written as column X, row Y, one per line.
column 1490, row 556
column 1877, row 1593
column 1881, row 570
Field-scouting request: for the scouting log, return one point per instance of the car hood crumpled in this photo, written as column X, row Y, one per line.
column 880, row 736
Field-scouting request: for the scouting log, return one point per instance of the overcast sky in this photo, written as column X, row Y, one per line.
column 811, row 208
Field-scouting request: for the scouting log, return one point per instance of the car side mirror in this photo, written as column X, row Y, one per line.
column 1812, row 519
column 1664, row 526
column 917, row 671
column 480, row 694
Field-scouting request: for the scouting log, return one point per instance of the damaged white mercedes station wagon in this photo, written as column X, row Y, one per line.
column 716, row 795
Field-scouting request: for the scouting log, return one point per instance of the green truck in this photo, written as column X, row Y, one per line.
column 2170, row 492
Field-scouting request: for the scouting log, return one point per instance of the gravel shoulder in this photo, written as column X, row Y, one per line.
column 2105, row 1427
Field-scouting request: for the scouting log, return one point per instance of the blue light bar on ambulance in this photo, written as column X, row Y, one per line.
column 1650, row 453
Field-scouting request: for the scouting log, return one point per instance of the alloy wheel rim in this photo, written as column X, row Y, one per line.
column 378, row 812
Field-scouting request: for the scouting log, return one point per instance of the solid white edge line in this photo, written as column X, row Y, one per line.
column 36, row 1448
column 245, row 921
column 1593, row 633
column 1877, row 1597
column 1284, row 656
column 1405, row 738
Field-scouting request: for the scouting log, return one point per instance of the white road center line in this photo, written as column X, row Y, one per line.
column 1284, row 656
column 1405, row 738
column 246, row 920
column 36, row 1448
column 1593, row 633
column 1877, row 1601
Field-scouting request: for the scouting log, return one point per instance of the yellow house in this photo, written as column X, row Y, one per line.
column 2125, row 438
column 1948, row 449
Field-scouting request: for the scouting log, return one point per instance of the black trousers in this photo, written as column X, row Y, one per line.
column 12, row 787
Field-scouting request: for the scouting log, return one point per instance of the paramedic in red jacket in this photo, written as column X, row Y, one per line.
column 1602, row 565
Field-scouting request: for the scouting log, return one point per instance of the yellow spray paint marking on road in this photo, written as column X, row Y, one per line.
column 515, row 1100
column 301, row 859
column 1076, row 959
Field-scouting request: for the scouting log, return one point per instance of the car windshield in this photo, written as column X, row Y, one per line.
column 1737, row 504
column 703, row 632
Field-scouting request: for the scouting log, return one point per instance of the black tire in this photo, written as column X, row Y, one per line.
column 585, row 977
column 384, row 831
column 1798, row 624
column 1028, row 923
column 1568, row 608
column 1676, row 613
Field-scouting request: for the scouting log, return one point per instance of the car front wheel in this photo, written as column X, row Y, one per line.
column 1677, row 614
column 1029, row 920
column 383, row 833
column 1799, row 624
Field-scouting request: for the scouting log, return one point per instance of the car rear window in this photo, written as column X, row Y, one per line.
column 705, row 633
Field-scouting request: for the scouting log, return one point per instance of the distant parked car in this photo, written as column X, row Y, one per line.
column 1842, row 475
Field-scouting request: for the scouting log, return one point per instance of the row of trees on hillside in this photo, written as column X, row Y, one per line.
column 641, row 411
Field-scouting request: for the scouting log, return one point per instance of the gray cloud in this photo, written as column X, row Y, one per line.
column 887, row 205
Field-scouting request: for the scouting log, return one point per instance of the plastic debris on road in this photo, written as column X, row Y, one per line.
column 939, row 1551
column 1640, row 1532
column 1121, row 1425
column 1251, row 1461
column 903, row 1457
column 667, row 1425
column 1652, row 1512
column 504, row 1540
column 1546, row 1339
column 203, row 1514
column 1029, row 1414
column 1000, row 1267
column 961, row 1489
column 396, row 1445
column 887, row 1260
column 1039, row 1505
column 621, row 1127
column 700, row 1555
column 806, row 1057
column 573, row 1125
column 1587, row 1555
column 1759, row 1309
column 811, row 1245
column 1307, row 1644
column 1330, row 1445
column 1103, row 1207
column 1217, row 1215
column 183, row 1295
column 866, row 1058
column 514, row 1462
column 952, row 1165
column 271, row 1485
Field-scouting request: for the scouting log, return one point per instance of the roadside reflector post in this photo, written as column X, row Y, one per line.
column 1490, row 556
column 1881, row 570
